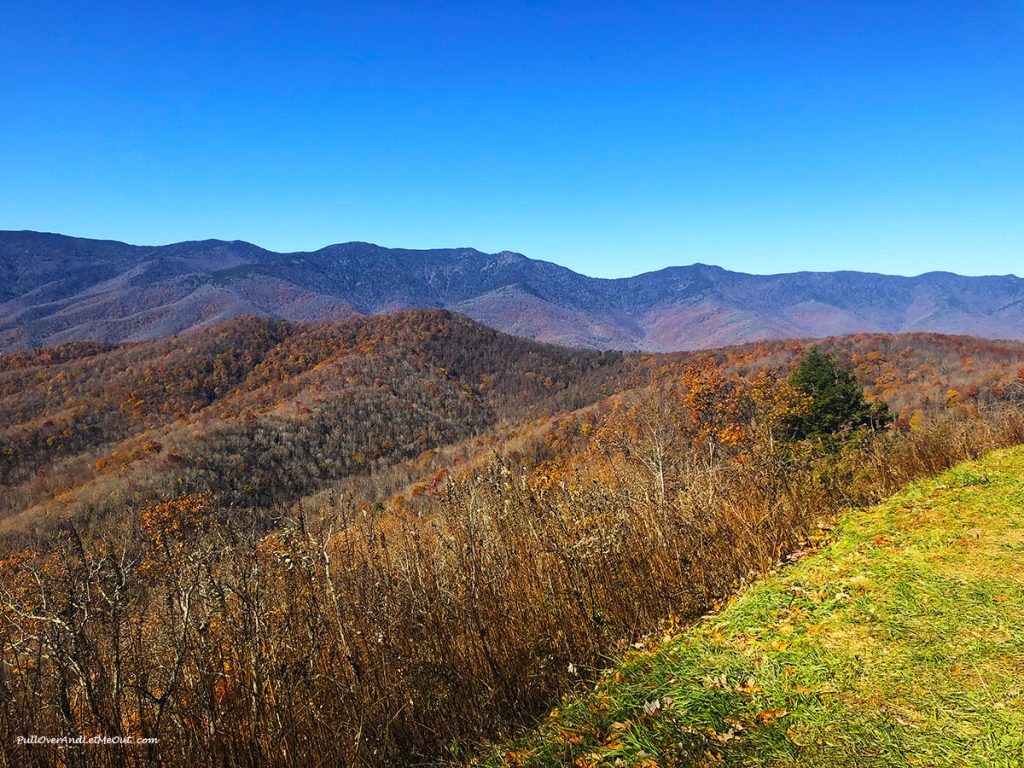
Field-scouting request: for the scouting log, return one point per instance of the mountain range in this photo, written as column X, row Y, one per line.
column 55, row 288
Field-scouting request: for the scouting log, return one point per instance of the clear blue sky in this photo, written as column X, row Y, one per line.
column 613, row 138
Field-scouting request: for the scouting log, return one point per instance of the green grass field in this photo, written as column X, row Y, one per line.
column 899, row 643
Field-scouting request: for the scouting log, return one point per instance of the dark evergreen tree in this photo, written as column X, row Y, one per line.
column 837, row 400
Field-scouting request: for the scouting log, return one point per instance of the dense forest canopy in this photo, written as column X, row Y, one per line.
column 263, row 413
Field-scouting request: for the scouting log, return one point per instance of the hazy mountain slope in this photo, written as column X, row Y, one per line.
column 56, row 288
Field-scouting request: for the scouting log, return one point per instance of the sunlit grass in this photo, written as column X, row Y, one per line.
column 900, row 643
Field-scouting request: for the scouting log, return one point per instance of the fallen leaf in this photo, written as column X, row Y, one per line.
column 652, row 708
column 795, row 739
column 735, row 724
column 716, row 683
column 748, row 687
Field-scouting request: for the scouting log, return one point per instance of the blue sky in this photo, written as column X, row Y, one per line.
column 613, row 138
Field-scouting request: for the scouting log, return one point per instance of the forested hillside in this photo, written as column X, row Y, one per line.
column 260, row 412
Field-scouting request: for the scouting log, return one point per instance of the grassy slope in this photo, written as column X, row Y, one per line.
column 899, row 643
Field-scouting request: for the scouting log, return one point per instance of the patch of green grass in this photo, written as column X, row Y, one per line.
column 901, row 643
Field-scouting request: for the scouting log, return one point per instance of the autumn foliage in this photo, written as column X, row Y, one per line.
column 288, row 625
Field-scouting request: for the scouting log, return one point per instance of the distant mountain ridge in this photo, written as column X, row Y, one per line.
column 55, row 288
